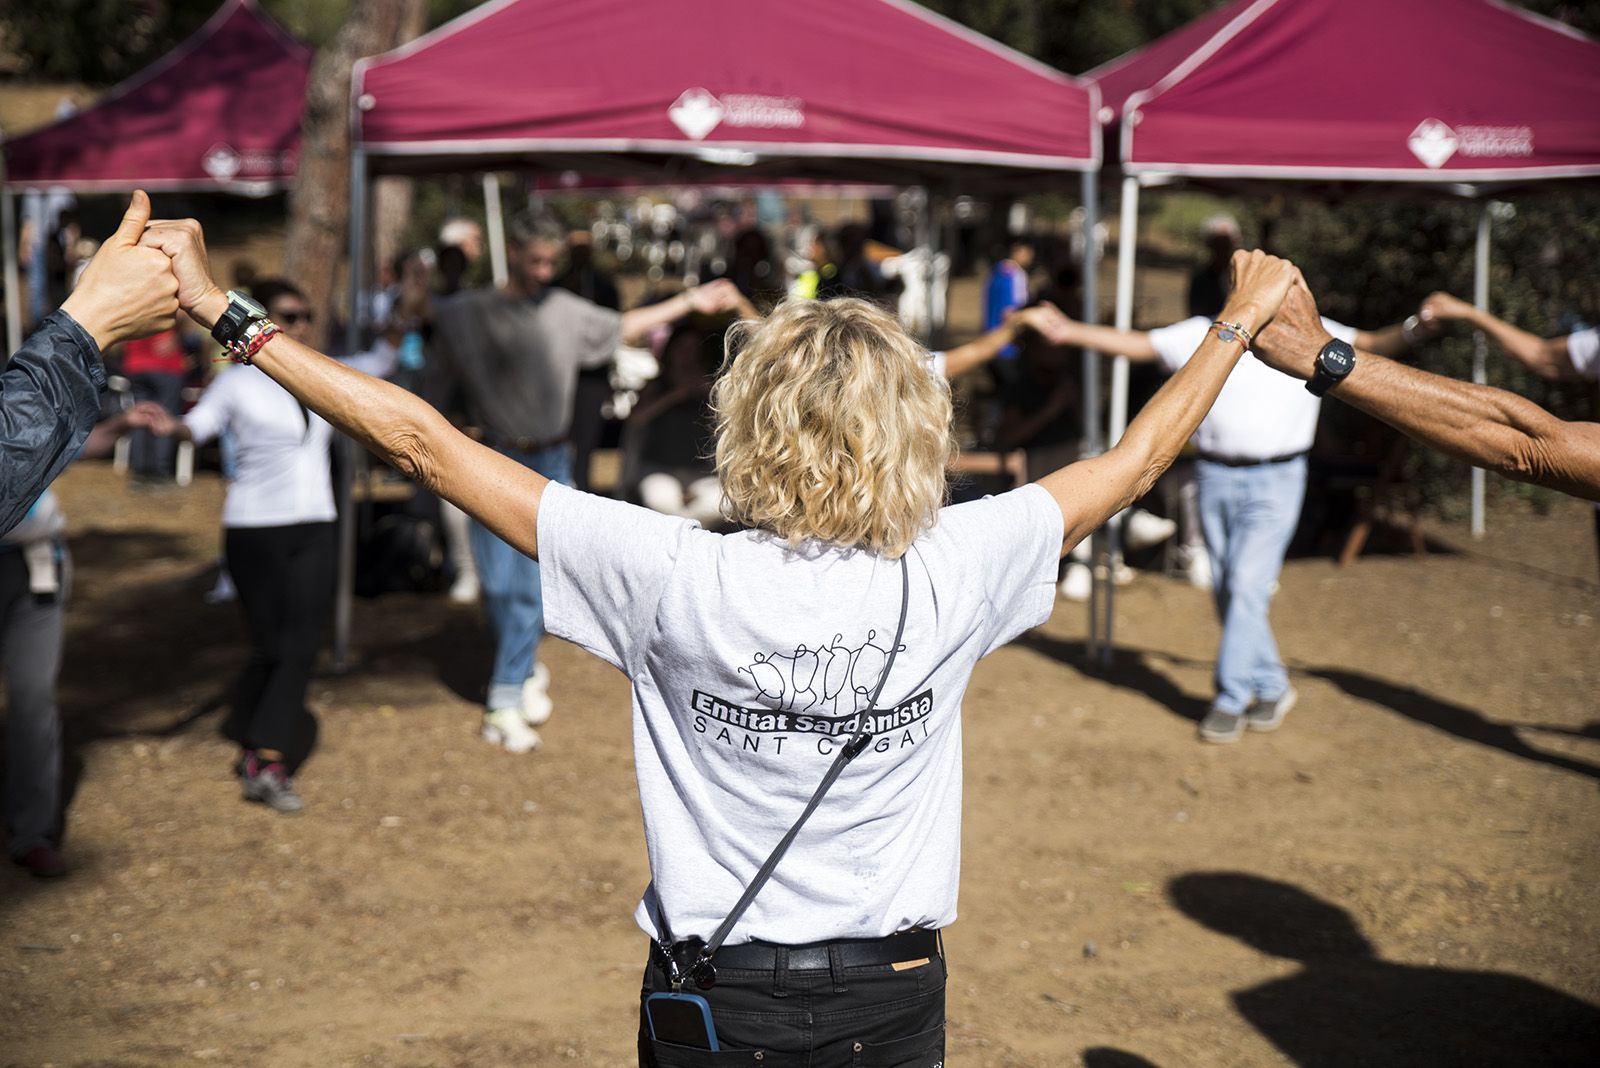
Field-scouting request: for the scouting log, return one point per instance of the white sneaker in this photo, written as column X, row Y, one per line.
column 1121, row 573
column 1198, row 569
column 1142, row 530
column 1078, row 582
column 504, row 727
column 464, row 590
column 536, row 703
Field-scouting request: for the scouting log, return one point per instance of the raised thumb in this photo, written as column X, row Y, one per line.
column 136, row 219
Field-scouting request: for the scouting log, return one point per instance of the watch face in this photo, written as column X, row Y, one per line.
column 254, row 309
column 1337, row 358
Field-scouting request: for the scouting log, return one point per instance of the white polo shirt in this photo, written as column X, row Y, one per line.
column 1584, row 348
column 1260, row 413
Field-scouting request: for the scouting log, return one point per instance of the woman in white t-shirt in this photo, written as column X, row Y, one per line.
column 755, row 657
column 278, row 526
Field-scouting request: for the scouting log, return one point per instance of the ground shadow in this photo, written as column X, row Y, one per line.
column 1130, row 669
column 1347, row 1006
column 459, row 654
column 1458, row 720
column 1105, row 1057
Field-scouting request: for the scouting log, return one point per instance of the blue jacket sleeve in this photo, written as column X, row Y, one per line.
column 49, row 401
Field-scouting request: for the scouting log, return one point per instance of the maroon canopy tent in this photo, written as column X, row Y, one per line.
column 676, row 90
column 1459, row 96
column 1433, row 91
column 219, row 113
column 694, row 91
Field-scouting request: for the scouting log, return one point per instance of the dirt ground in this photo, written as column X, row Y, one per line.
column 1405, row 873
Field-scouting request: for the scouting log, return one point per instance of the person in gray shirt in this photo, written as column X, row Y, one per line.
column 506, row 362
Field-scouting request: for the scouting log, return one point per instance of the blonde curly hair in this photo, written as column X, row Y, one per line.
column 831, row 427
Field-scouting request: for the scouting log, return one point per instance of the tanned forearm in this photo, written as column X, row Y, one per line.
column 1487, row 427
column 1544, row 357
column 638, row 322
column 1386, row 341
column 980, row 350
column 1134, row 344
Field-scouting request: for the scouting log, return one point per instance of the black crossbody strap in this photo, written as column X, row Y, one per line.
column 858, row 742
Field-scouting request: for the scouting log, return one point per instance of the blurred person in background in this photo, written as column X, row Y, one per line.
column 1251, row 481
column 1573, row 357
column 507, row 361
column 157, row 368
column 278, row 520
column 585, row 278
column 1006, row 288
column 35, row 580
column 1208, row 285
column 460, row 246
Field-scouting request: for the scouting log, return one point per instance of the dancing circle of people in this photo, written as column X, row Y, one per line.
column 794, row 464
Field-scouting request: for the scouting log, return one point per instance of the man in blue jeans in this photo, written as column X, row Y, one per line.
column 507, row 360
column 1251, row 480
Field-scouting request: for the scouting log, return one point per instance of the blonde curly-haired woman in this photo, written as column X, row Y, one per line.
column 844, row 618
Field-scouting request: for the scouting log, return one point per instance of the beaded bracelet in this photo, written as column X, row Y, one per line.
column 244, row 350
column 1227, row 331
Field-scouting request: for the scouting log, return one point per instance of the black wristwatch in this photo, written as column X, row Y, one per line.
column 1334, row 364
column 232, row 324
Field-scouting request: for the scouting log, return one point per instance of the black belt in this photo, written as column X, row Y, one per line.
column 914, row 944
column 1242, row 461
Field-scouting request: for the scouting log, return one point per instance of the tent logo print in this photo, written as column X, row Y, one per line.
column 696, row 112
column 1433, row 143
column 221, row 162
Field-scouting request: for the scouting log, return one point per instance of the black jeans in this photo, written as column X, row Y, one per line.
column 867, row 1017
column 152, row 455
column 285, row 581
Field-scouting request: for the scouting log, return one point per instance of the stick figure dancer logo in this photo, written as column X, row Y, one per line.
column 831, row 680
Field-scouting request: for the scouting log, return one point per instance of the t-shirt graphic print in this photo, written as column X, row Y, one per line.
column 752, row 661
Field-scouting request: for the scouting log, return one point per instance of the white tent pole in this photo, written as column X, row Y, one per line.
column 497, row 228
column 1104, row 585
column 1480, row 297
column 1127, row 244
column 348, row 453
column 1091, row 310
column 8, row 224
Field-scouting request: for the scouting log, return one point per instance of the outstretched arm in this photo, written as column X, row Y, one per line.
column 391, row 422
column 980, row 350
column 1487, row 427
column 721, row 295
column 1091, row 491
column 1136, row 345
column 1545, row 357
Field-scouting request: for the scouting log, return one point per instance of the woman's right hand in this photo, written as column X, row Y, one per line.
column 1260, row 282
column 185, row 245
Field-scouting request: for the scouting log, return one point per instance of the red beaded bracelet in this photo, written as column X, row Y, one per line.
column 244, row 350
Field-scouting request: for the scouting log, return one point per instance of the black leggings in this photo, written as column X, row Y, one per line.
column 285, row 580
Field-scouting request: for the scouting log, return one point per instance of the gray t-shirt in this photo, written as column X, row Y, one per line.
column 749, row 662
column 514, row 361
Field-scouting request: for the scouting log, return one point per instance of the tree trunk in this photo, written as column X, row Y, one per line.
column 319, row 203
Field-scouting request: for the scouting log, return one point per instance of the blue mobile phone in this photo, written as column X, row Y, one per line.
column 681, row 1020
